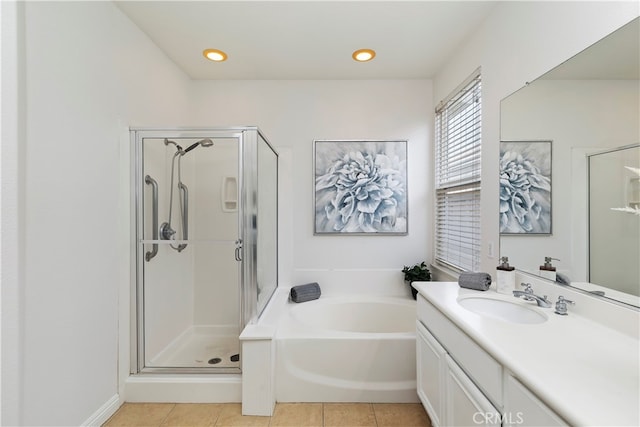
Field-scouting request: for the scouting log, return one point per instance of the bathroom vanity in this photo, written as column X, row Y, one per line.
column 485, row 358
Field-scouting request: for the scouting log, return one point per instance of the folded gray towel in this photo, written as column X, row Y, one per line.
column 562, row 279
column 302, row 293
column 477, row 281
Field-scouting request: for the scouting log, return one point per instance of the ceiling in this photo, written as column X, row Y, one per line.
column 294, row 40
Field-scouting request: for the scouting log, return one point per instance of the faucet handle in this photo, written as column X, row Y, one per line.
column 528, row 291
column 527, row 287
column 561, row 305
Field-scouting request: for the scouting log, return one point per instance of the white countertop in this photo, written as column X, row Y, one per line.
column 586, row 372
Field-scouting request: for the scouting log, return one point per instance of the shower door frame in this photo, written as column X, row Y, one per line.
column 247, row 153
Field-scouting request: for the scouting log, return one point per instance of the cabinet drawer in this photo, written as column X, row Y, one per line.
column 485, row 371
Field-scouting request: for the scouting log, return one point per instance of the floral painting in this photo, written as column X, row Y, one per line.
column 525, row 187
column 360, row 187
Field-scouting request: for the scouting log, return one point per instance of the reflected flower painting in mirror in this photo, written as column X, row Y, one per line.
column 360, row 187
column 525, row 187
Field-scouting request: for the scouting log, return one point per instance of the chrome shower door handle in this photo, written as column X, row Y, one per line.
column 238, row 252
column 185, row 214
column 154, row 220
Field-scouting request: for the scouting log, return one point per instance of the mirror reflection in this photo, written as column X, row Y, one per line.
column 589, row 110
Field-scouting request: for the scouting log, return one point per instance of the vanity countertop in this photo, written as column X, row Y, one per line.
column 586, row 372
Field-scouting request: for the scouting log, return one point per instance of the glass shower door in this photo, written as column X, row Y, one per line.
column 189, row 274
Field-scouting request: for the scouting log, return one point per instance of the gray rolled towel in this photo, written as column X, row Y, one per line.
column 562, row 279
column 477, row 281
column 302, row 293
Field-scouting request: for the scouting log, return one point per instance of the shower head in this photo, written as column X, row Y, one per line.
column 203, row 142
column 167, row 142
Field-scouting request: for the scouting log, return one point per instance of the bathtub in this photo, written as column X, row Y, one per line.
column 347, row 349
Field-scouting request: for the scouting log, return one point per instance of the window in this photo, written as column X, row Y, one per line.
column 458, row 154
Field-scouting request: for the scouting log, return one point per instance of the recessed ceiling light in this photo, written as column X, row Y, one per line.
column 215, row 55
column 363, row 55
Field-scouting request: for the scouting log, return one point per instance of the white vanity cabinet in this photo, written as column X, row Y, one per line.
column 449, row 395
column 460, row 384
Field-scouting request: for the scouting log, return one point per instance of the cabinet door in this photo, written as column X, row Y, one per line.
column 465, row 403
column 522, row 408
column 431, row 365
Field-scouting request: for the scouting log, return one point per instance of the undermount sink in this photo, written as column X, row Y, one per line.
column 502, row 310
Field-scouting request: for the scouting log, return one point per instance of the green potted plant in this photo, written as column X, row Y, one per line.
column 417, row 273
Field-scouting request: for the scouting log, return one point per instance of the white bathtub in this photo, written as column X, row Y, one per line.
column 347, row 349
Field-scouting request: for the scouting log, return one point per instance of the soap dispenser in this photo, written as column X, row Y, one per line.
column 547, row 270
column 505, row 277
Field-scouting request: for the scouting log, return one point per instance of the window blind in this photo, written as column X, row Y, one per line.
column 458, row 172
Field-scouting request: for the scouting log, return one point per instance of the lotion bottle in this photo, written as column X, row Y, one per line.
column 505, row 277
column 547, row 270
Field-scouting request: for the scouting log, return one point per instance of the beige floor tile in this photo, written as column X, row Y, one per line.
column 297, row 415
column 349, row 414
column 401, row 415
column 140, row 414
column 193, row 414
column 231, row 416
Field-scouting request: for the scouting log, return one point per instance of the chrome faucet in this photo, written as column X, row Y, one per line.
column 528, row 295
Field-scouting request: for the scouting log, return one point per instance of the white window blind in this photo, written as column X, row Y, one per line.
column 458, row 156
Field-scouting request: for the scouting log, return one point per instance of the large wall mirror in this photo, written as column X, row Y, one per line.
column 571, row 190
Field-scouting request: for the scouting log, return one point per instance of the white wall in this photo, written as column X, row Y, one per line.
column 292, row 114
column 517, row 43
column 89, row 73
column 11, row 206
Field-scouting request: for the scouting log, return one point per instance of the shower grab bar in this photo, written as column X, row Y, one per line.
column 154, row 225
column 185, row 215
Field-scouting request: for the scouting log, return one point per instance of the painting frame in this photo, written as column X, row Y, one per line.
column 525, row 192
column 360, row 187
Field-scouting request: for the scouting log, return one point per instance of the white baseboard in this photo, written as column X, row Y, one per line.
column 104, row 413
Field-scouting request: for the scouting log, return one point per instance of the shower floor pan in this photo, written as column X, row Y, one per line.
column 201, row 346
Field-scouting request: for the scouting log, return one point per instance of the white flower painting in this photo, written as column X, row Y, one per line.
column 360, row 187
column 525, row 187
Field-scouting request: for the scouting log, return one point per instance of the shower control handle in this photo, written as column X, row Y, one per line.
column 238, row 252
column 166, row 232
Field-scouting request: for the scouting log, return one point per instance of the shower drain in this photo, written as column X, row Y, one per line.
column 216, row 360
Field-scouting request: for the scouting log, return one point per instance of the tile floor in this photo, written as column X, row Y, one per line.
column 285, row 414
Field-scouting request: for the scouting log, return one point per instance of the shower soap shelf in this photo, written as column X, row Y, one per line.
column 229, row 194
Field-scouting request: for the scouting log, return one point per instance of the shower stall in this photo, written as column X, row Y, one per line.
column 205, row 205
column 614, row 226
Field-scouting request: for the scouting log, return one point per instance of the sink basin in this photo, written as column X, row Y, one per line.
column 502, row 310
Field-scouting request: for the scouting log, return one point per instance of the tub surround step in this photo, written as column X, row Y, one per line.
column 183, row 388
